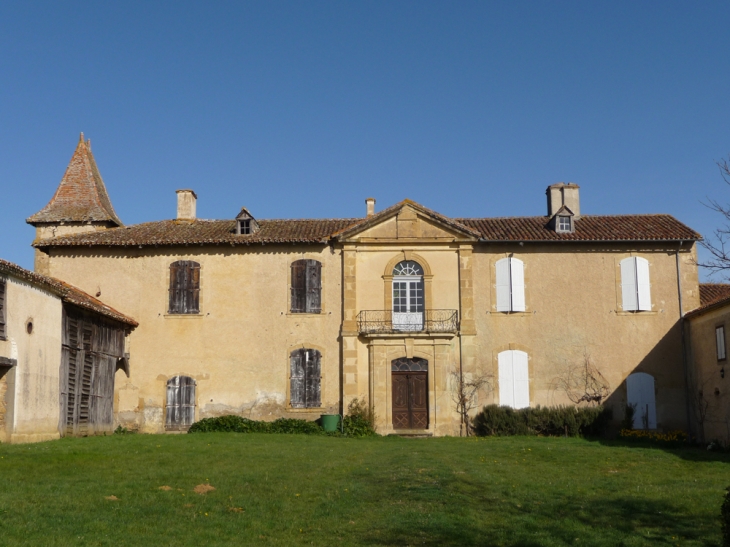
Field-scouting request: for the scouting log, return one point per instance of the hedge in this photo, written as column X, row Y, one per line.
column 545, row 421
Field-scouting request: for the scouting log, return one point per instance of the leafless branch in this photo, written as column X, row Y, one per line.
column 583, row 383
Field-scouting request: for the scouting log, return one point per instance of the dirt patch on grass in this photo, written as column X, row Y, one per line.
column 166, row 488
column 203, row 489
column 111, row 498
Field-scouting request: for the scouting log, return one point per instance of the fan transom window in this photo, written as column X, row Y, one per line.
column 407, row 267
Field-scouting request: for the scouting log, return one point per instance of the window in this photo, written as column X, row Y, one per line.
column 408, row 296
column 244, row 226
column 514, row 380
column 3, row 333
column 564, row 224
column 510, row 285
column 306, row 378
column 720, row 340
column 306, row 286
column 635, row 287
column 184, row 287
column 180, row 408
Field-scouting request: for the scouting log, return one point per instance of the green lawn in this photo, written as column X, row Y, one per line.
column 310, row 490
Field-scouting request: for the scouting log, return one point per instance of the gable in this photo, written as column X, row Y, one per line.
column 407, row 222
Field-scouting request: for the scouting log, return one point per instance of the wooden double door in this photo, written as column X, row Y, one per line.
column 410, row 393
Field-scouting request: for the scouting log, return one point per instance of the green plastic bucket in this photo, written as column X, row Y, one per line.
column 330, row 422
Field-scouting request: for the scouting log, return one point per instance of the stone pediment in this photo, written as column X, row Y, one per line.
column 409, row 221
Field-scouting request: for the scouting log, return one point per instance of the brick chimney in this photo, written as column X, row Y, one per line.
column 563, row 194
column 186, row 201
column 370, row 204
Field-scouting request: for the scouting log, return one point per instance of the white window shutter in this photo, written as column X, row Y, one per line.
column 517, row 271
column 628, row 284
column 644, row 287
column 506, row 380
column 521, row 376
column 503, row 288
column 720, row 340
column 640, row 393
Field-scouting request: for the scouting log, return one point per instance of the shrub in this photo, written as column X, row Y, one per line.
column 234, row 424
column 545, row 421
column 628, row 421
column 670, row 438
column 360, row 420
column 725, row 516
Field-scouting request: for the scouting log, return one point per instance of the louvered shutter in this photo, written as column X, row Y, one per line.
column 312, row 378
column 643, row 290
column 187, row 401
column 173, row 402
column 299, row 286
column 506, row 379
column 720, row 342
column 192, row 287
column 176, row 272
column 517, row 278
column 521, row 378
column 629, row 297
column 314, row 286
column 297, row 386
column 3, row 332
column 503, row 285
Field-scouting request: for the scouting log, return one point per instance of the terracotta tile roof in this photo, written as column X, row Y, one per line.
column 81, row 196
column 587, row 228
column 182, row 232
column 67, row 293
column 712, row 296
column 174, row 232
column 712, row 292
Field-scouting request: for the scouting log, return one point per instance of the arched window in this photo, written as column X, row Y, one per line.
column 408, row 302
column 635, row 286
column 510, row 285
column 305, row 378
column 180, row 408
column 514, row 379
column 184, row 287
column 640, row 395
column 306, row 286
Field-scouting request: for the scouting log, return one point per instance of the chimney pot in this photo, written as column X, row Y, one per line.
column 370, row 203
column 186, row 204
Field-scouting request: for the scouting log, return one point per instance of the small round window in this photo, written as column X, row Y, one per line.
column 29, row 327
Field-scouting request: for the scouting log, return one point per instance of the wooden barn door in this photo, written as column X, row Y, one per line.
column 180, row 411
column 410, row 393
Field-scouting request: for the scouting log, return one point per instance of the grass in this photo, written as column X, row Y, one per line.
column 311, row 490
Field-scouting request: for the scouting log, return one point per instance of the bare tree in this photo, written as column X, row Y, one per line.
column 464, row 390
column 583, row 383
column 718, row 245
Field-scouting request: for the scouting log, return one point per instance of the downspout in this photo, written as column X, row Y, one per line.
column 688, row 394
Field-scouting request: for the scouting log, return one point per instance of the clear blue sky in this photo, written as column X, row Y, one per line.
column 304, row 109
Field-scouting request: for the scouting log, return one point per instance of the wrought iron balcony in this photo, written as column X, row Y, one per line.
column 388, row 322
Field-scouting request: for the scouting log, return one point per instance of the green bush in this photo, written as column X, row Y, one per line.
column 360, row 420
column 725, row 517
column 544, row 421
column 232, row 424
column 628, row 421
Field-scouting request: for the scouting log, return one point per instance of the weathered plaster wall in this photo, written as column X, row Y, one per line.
column 237, row 348
column 573, row 308
column 31, row 398
column 708, row 388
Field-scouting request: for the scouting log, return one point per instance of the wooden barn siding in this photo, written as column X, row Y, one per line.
column 91, row 349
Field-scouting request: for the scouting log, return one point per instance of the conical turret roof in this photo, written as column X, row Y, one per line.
column 81, row 196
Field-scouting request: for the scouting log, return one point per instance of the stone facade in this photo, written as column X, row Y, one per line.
column 236, row 350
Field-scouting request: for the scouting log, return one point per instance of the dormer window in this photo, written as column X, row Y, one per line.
column 244, row 226
column 245, row 223
column 564, row 224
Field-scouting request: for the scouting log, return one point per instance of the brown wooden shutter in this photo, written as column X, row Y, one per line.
column 299, row 286
column 297, row 395
column 312, row 378
column 175, row 302
column 3, row 332
column 192, row 288
column 314, row 287
column 187, row 401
